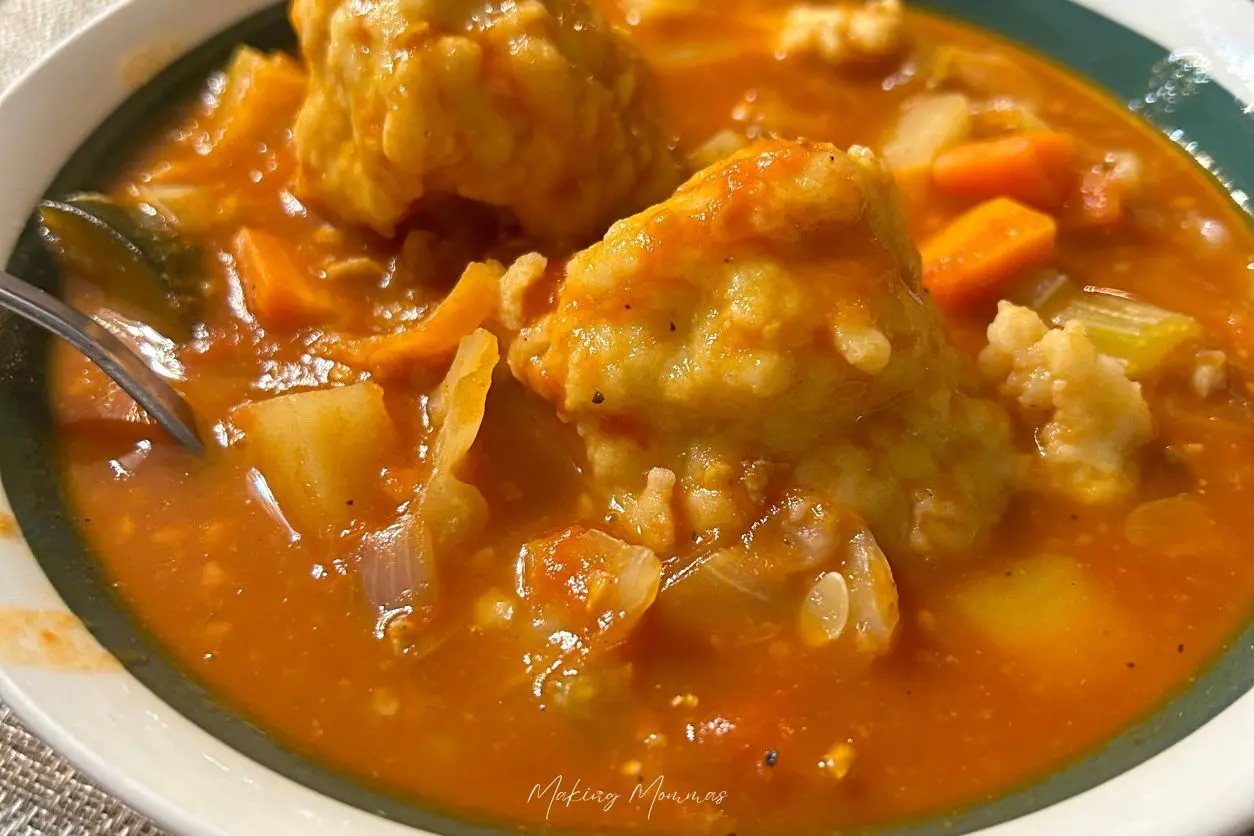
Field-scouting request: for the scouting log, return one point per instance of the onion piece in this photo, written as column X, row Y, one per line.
column 397, row 568
column 1175, row 526
column 872, row 595
column 260, row 489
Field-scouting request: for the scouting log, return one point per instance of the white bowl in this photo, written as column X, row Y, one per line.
column 102, row 718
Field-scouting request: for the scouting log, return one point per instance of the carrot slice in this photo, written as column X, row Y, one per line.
column 472, row 300
column 278, row 292
column 1034, row 168
column 984, row 247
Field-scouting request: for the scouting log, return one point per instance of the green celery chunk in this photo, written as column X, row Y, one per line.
column 1140, row 334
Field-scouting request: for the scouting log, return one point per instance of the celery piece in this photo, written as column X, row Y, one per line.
column 1140, row 334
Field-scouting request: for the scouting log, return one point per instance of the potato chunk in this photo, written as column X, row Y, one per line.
column 538, row 107
column 1048, row 613
column 319, row 451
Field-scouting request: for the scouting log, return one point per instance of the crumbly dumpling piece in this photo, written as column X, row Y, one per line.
column 536, row 106
column 845, row 33
column 1093, row 417
column 770, row 315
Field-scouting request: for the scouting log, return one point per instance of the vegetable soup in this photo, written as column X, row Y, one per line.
column 774, row 418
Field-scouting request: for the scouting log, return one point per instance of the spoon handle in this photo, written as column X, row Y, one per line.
column 104, row 349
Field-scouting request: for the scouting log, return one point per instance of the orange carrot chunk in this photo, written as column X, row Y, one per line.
column 983, row 248
column 471, row 301
column 1033, row 168
column 278, row 292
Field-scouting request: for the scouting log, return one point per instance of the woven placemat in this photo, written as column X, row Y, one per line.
column 42, row 795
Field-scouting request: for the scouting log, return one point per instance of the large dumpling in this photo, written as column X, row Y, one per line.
column 764, row 328
column 535, row 106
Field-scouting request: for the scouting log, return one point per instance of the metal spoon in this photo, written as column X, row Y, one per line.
column 104, row 349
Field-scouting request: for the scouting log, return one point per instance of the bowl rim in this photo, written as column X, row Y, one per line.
column 139, row 748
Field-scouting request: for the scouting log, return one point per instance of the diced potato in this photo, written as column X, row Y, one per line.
column 320, row 451
column 1037, row 607
column 927, row 126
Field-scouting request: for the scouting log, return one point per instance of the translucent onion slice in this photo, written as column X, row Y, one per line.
column 1175, row 526
column 872, row 595
column 397, row 568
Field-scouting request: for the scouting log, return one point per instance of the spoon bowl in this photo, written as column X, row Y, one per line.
column 114, row 357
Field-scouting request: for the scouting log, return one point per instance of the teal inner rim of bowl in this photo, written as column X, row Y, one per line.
column 1125, row 64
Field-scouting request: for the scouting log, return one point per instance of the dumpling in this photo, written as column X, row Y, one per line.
column 765, row 326
column 538, row 107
